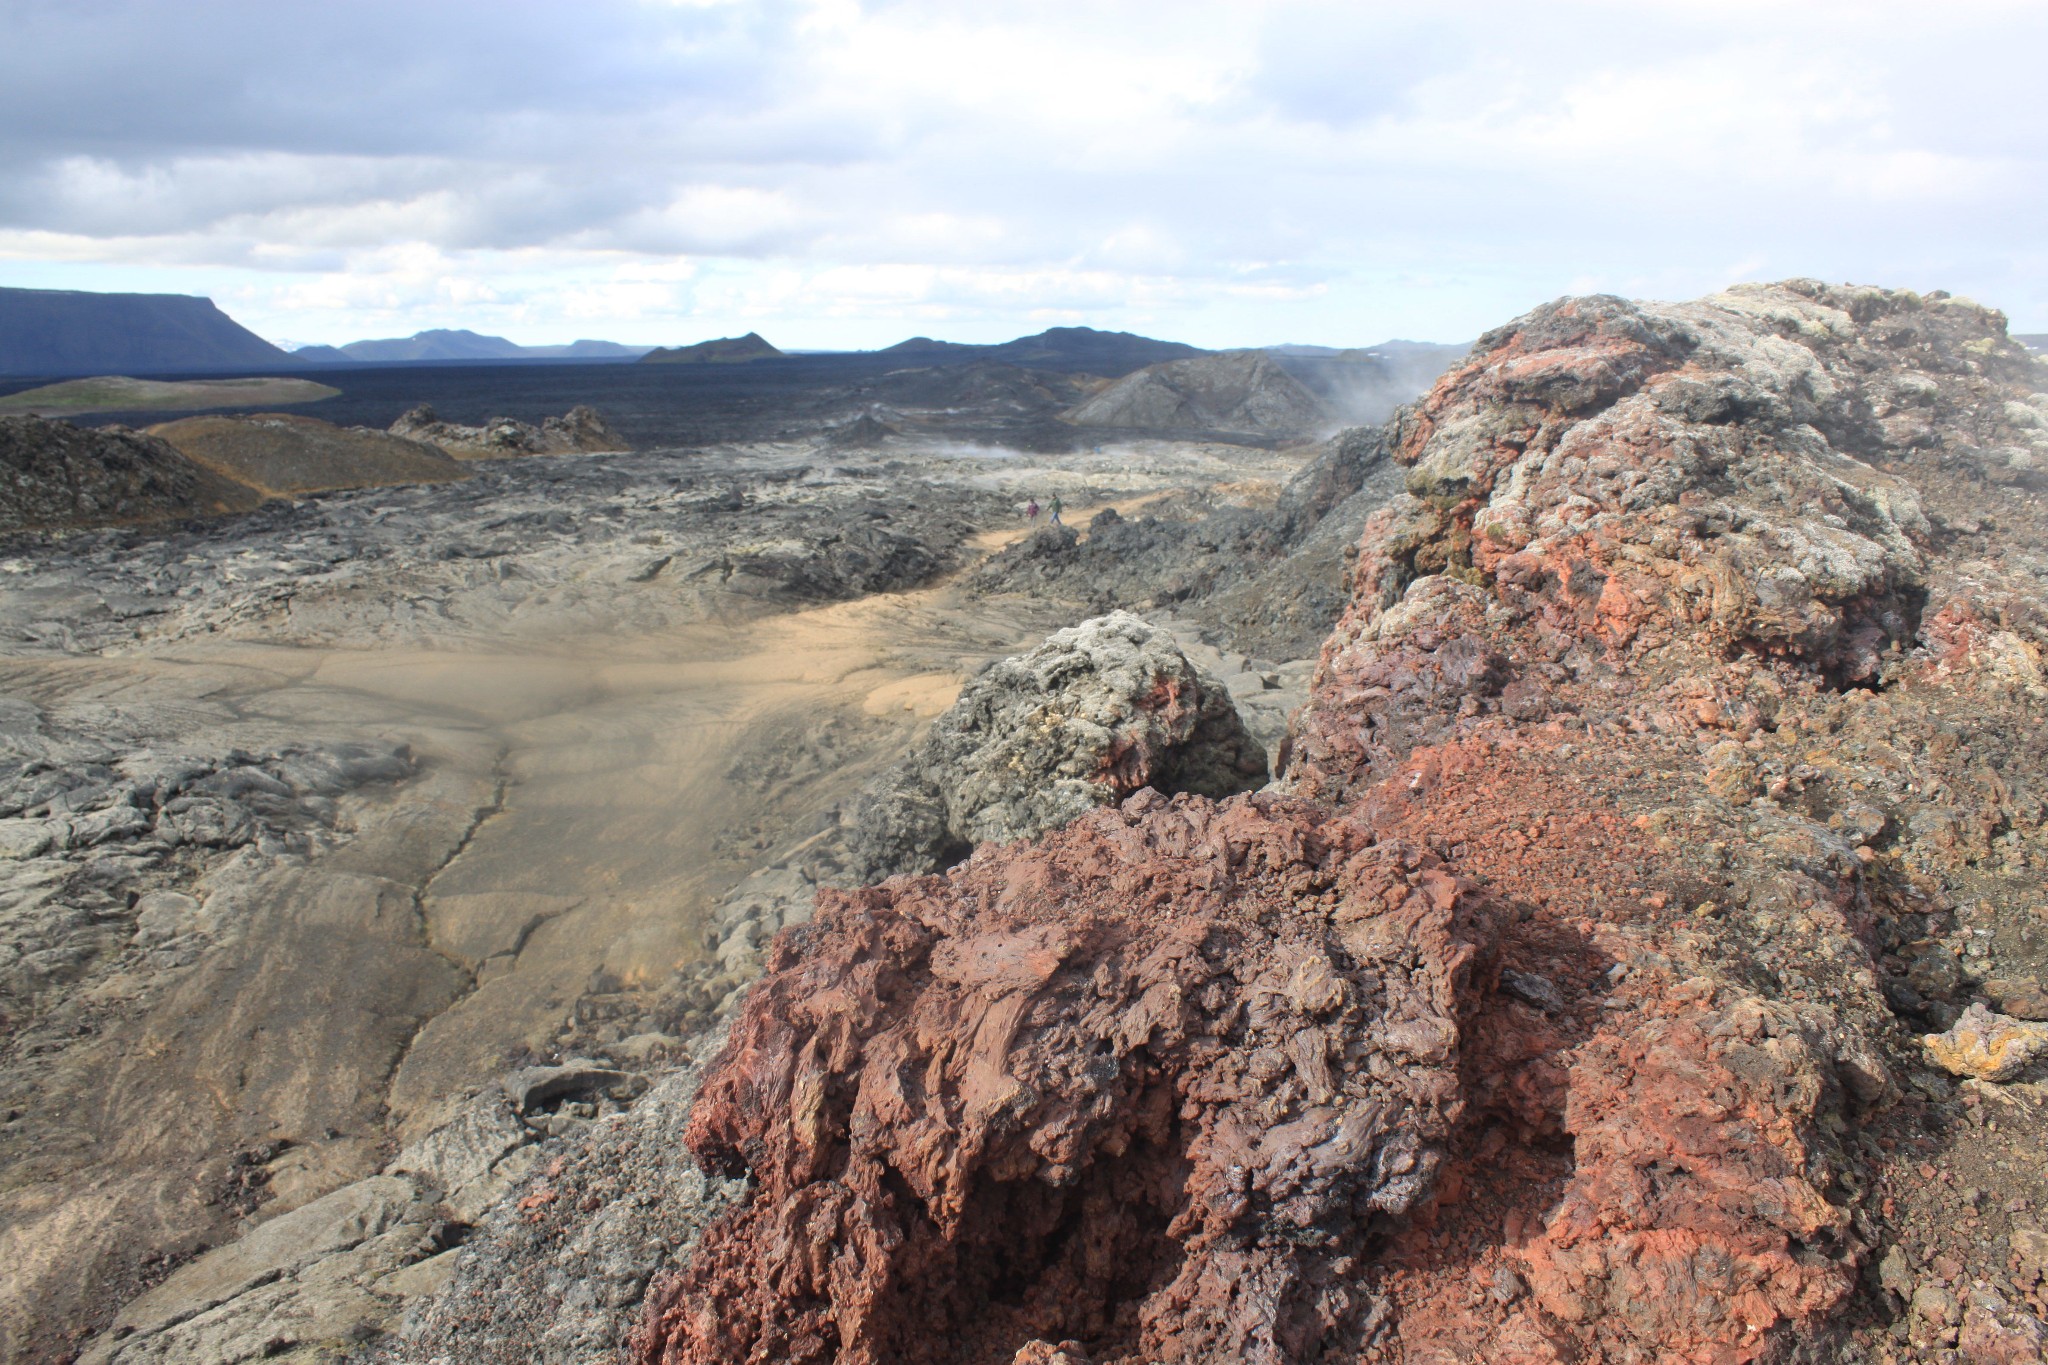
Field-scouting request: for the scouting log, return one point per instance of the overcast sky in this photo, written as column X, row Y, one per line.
column 835, row 173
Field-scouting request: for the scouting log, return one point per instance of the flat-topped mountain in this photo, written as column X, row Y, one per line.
column 722, row 351
column 458, row 344
column 66, row 331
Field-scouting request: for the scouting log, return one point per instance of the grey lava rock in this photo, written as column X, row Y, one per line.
column 556, row 1275
column 54, row 474
column 1084, row 720
column 582, row 428
column 1242, row 392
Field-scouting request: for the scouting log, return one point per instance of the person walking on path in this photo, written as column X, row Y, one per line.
column 1054, row 508
column 1031, row 510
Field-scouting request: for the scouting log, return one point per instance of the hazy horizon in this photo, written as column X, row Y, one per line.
column 838, row 175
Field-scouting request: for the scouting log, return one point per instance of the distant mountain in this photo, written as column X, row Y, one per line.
column 455, row 345
column 1070, row 349
column 592, row 350
column 924, row 346
column 723, row 351
column 2033, row 341
column 62, row 331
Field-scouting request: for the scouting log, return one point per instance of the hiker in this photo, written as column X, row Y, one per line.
column 1031, row 510
column 1054, row 508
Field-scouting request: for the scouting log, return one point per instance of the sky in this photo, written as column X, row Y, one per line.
column 841, row 174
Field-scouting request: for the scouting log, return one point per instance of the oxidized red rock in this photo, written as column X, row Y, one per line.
column 1144, row 1086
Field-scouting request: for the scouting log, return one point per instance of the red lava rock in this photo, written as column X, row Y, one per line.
column 1656, row 651
column 1695, row 1199
column 1145, row 1085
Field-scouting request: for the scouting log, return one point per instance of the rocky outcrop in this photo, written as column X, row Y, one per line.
column 143, row 871
column 55, row 475
column 557, row 1268
column 1084, row 720
column 1238, row 392
column 1146, row 1083
column 282, row 455
column 1647, row 555
column 1670, row 644
column 580, row 429
column 321, row 1275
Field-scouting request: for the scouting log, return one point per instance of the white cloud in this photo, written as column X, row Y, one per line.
column 845, row 171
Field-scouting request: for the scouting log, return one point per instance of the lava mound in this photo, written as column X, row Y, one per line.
column 282, row 455
column 582, row 428
column 54, row 475
column 1146, row 1085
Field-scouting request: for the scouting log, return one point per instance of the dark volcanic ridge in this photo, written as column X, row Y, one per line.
column 1235, row 394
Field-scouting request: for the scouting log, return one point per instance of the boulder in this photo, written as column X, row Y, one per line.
column 1090, row 716
column 1987, row 1046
